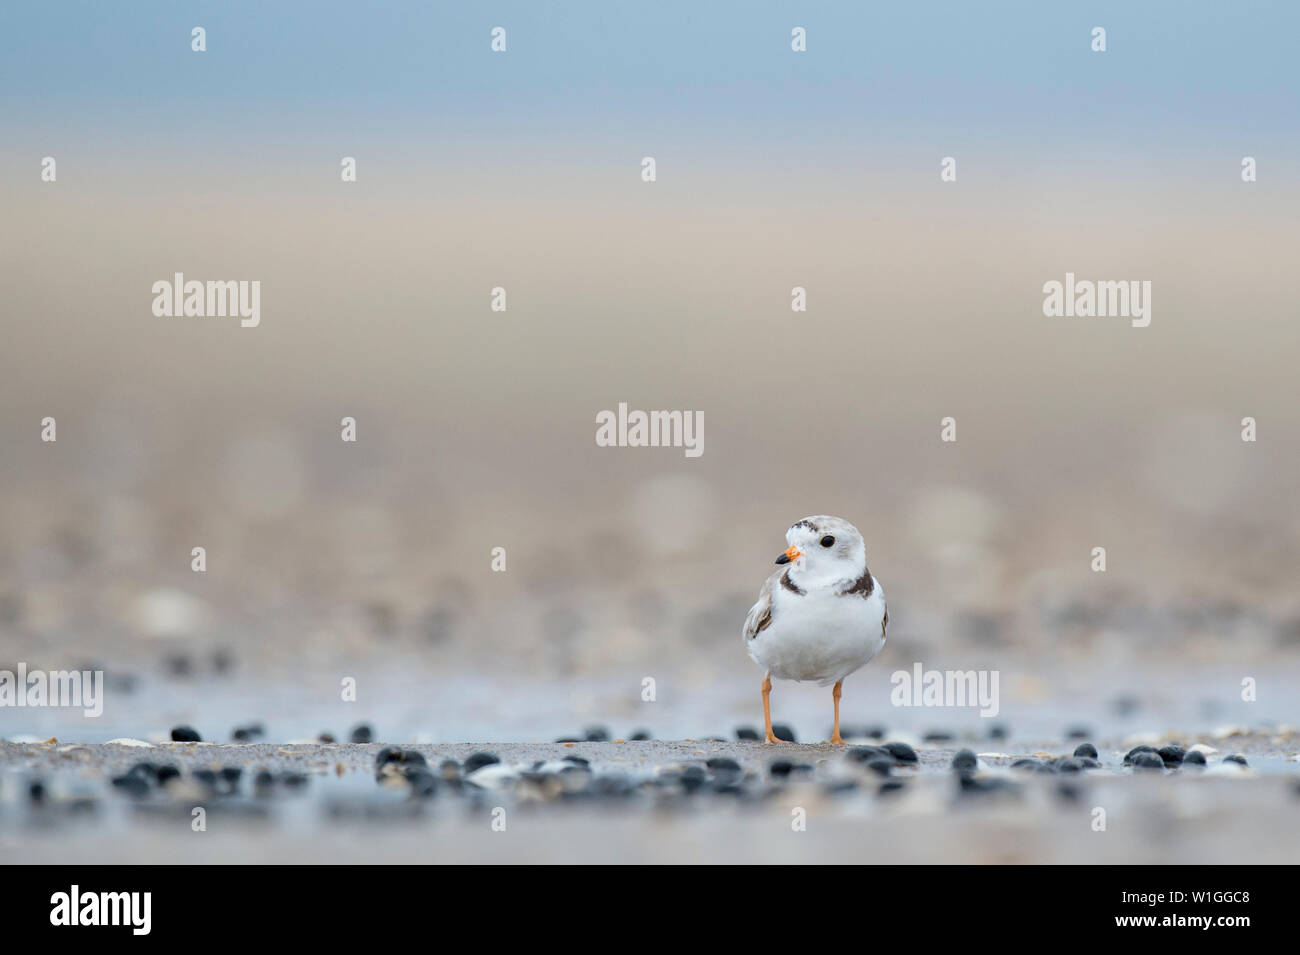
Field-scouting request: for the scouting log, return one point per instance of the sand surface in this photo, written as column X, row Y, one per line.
column 342, row 814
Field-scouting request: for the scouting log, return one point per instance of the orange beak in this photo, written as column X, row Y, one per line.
column 791, row 553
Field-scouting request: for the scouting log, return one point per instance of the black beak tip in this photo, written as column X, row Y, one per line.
column 783, row 559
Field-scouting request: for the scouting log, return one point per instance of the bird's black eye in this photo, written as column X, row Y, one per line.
column 828, row 541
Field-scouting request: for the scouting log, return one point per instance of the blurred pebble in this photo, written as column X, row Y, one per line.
column 246, row 734
column 325, row 738
column 840, row 787
column 1235, row 758
column 1147, row 760
column 964, row 761
column 477, row 761
column 1172, row 755
column 1086, row 749
column 185, row 734
column 1129, row 756
column 938, row 736
column 362, row 733
column 1077, row 732
column 132, row 784
column 864, row 754
column 747, row 733
column 1195, row 758
column 640, row 736
column 902, row 752
column 723, row 764
column 1126, row 705
column 783, row 732
column 784, row 769
column 596, row 734
column 970, row 785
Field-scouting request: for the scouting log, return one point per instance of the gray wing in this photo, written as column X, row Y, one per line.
column 760, row 615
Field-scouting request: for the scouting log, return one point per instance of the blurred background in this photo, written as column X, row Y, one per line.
column 475, row 428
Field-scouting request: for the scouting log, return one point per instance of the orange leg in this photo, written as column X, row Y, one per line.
column 767, row 709
column 835, row 736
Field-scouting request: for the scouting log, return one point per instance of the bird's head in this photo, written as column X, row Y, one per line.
column 824, row 548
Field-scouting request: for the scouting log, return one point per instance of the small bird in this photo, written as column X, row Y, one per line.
column 821, row 616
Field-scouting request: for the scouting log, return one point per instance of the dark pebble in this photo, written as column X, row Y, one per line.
column 999, row 731
column 891, row 786
column 362, row 733
column 840, row 787
column 748, row 733
column 1068, row 764
column 874, row 732
column 231, row 775
column 723, row 764
column 1086, row 749
column 693, row 777
column 449, row 769
column 570, row 739
column 865, row 754
column 132, row 784
column 901, row 752
column 185, row 734
column 1172, row 755
column 938, row 736
column 780, row 768
column 882, row 765
column 325, row 738
column 1088, row 762
column 1128, row 757
column 1236, row 758
column 1077, row 732
column 965, row 761
column 479, row 760
column 783, row 732
column 166, row 773
column 293, row 780
column 979, row 785
column 596, row 734
column 262, row 782
column 577, row 760
column 1147, row 760
column 246, row 734
column 1029, row 764
column 1194, row 758
column 404, row 758
column 422, row 782
column 640, row 736
column 36, row 791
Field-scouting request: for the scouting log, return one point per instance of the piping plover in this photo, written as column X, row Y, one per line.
column 821, row 616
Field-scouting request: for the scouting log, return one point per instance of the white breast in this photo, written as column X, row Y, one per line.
column 821, row 635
